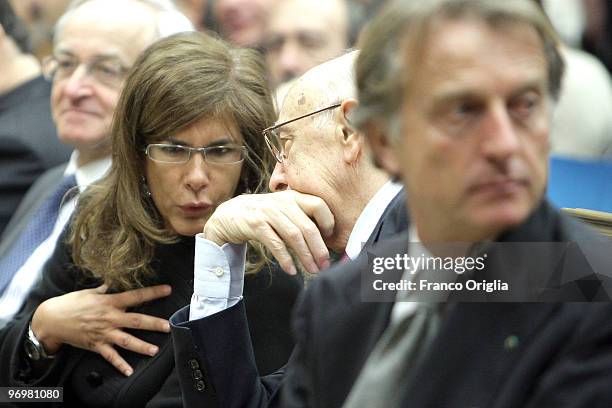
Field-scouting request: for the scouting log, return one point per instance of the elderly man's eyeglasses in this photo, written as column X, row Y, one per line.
column 106, row 71
column 276, row 144
column 176, row 154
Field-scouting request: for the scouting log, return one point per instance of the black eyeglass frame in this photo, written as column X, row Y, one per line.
column 280, row 155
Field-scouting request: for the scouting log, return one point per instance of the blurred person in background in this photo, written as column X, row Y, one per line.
column 243, row 22
column 597, row 37
column 582, row 117
column 301, row 34
column 195, row 10
column 96, row 42
column 186, row 138
column 40, row 17
column 28, row 141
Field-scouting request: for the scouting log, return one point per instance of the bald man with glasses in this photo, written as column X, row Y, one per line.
column 328, row 199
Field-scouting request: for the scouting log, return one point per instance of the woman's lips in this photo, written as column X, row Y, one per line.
column 194, row 210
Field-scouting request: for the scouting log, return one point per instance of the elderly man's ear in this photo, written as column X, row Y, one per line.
column 384, row 151
column 352, row 141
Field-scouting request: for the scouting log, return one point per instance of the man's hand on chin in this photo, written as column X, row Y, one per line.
column 280, row 221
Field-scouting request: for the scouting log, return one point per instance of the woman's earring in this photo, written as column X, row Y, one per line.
column 145, row 187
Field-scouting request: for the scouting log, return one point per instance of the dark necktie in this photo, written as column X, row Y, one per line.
column 36, row 231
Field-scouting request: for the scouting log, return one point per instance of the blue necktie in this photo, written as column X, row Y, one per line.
column 36, row 231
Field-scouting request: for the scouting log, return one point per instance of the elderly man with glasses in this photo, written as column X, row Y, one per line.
column 328, row 200
column 95, row 44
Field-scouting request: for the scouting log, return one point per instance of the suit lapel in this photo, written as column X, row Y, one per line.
column 393, row 220
column 478, row 343
column 474, row 352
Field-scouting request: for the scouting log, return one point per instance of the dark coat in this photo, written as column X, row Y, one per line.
column 225, row 359
column 87, row 378
column 28, row 144
column 484, row 355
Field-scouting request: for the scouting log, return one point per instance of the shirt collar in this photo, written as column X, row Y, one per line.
column 370, row 216
column 90, row 172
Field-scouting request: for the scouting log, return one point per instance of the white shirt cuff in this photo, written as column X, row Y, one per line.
column 218, row 277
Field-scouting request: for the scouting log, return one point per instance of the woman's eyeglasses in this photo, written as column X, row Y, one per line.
column 176, row 154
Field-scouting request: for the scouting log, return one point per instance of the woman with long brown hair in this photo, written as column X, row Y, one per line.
column 186, row 137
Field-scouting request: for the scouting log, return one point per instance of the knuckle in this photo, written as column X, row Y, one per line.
column 294, row 235
column 124, row 341
column 256, row 222
column 136, row 322
column 104, row 317
column 311, row 231
column 139, row 296
column 108, row 356
column 277, row 246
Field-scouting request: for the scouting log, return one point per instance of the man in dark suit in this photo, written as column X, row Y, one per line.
column 455, row 99
column 324, row 180
column 28, row 141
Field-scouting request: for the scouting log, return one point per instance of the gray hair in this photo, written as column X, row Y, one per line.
column 381, row 78
column 335, row 81
column 169, row 20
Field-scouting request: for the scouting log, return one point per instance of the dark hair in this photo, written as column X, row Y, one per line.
column 14, row 27
column 176, row 82
column 380, row 72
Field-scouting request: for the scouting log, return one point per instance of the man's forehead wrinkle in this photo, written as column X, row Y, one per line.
column 449, row 61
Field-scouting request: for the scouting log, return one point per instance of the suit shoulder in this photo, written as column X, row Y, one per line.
column 343, row 280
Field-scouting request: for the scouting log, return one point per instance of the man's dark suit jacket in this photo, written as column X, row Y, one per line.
column 220, row 346
column 484, row 355
column 28, row 142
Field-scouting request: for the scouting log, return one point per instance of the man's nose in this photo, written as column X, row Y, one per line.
column 290, row 61
column 501, row 136
column 77, row 84
column 278, row 181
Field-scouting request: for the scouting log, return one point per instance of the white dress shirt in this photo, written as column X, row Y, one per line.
column 219, row 271
column 30, row 272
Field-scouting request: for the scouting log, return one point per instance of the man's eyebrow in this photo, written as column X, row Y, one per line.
column 538, row 85
column 451, row 95
column 97, row 57
column 64, row 52
column 288, row 128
